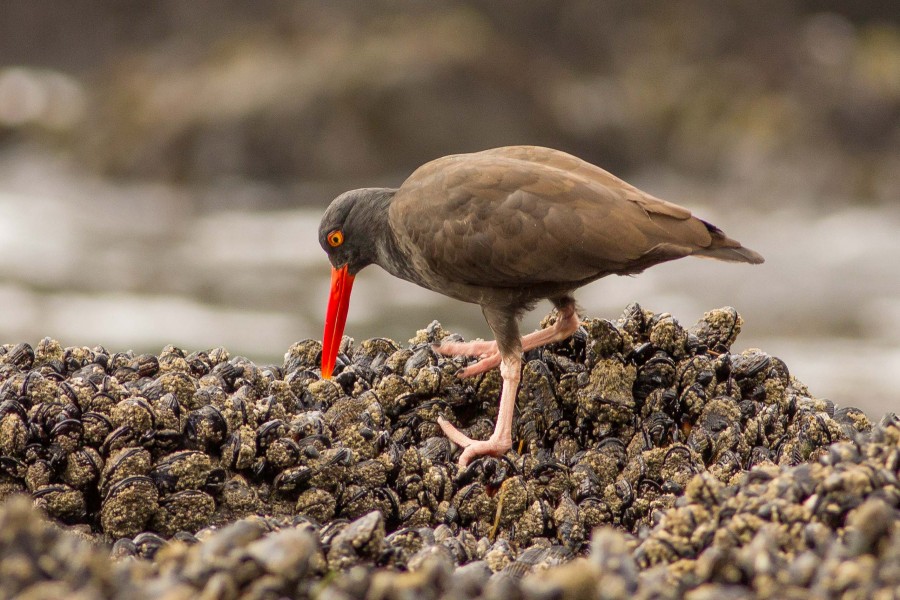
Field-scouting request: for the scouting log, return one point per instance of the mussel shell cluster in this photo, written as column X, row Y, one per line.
column 614, row 427
column 825, row 529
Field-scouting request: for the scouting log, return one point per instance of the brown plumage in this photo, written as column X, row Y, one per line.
column 539, row 221
column 504, row 228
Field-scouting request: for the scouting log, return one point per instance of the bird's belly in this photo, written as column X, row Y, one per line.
column 518, row 297
column 412, row 266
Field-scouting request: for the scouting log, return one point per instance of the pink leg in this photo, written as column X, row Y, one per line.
column 565, row 326
column 501, row 440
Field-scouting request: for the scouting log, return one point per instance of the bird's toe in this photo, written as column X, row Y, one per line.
column 490, row 447
column 480, row 348
column 454, row 434
column 472, row 449
column 482, row 366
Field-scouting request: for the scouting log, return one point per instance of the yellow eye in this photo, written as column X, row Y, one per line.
column 335, row 238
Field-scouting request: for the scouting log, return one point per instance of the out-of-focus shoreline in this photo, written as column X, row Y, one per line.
column 137, row 266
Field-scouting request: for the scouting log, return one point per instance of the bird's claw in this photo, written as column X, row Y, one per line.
column 473, row 448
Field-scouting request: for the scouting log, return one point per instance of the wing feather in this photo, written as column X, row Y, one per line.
column 524, row 215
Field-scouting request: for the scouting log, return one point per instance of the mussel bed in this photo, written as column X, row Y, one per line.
column 648, row 462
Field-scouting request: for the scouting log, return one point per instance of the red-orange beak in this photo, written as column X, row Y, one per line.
column 335, row 318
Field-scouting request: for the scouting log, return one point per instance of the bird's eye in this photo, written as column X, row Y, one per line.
column 335, row 238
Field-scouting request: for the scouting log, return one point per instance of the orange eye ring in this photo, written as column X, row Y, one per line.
column 335, row 238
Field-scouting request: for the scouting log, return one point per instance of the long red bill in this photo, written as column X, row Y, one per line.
column 335, row 318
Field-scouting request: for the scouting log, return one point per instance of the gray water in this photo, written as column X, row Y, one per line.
column 138, row 266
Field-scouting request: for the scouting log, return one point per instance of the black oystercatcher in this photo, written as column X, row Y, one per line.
column 505, row 228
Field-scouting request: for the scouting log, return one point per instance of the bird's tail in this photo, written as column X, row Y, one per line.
column 723, row 247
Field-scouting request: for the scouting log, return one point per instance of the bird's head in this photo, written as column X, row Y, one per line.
column 349, row 234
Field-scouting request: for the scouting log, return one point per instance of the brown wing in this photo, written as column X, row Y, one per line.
column 524, row 215
column 572, row 164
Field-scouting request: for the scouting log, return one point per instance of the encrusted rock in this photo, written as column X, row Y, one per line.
column 648, row 461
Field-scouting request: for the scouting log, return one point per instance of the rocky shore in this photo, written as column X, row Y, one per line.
column 649, row 461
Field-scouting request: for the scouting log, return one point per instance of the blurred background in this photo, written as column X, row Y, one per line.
column 163, row 165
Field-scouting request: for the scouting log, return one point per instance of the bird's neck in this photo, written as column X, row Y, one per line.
column 389, row 255
column 383, row 251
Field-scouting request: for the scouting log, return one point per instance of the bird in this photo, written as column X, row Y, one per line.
column 505, row 228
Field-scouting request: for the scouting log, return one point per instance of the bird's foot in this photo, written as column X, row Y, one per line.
column 493, row 446
column 489, row 352
column 482, row 366
column 480, row 348
column 486, row 351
